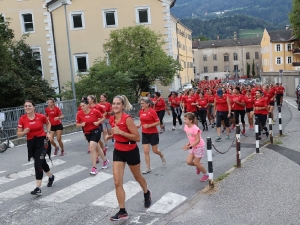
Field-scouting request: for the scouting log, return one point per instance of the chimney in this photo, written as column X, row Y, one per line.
column 199, row 43
column 218, row 37
column 235, row 36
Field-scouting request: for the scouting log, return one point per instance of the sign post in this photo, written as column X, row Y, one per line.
column 280, row 76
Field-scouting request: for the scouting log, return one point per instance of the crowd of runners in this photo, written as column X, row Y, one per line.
column 213, row 104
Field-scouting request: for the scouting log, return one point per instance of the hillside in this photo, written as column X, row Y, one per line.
column 273, row 11
column 225, row 27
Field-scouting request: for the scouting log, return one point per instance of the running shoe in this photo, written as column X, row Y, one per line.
column 267, row 133
column 243, row 131
column 198, row 171
column 62, row 153
column 104, row 151
column 88, row 152
column 227, row 137
column 204, row 178
column 173, row 128
column 50, row 181
column 218, row 139
column 163, row 160
column 146, row 171
column 119, row 216
column 206, row 128
column 97, row 160
column 36, row 191
column 94, row 171
column 147, row 201
column 233, row 126
column 213, row 126
column 56, row 150
column 224, row 128
column 105, row 164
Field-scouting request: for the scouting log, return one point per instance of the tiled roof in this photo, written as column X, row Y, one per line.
column 226, row 43
column 280, row 35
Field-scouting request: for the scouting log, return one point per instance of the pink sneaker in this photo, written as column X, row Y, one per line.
column 204, row 178
column 88, row 152
column 97, row 160
column 243, row 131
column 104, row 151
column 56, row 150
column 105, row 164
column 94, row 171
column 197, row 171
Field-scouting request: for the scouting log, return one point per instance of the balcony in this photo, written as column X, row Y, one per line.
column 296, row 50
column 296, row 64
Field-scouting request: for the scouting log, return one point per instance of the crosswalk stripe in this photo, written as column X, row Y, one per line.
column 26, row 188
column 31, row 162
column 2, row 171
column 77, row 188
column 27, row 173
column 166, row 203
column 110, row 200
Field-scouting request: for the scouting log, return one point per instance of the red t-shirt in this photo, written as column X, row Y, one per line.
column 89, row 119
column 203, row 103
column 188, row 104
column 36, row 125
column 160, row 104
column 211, row 98
column 221, row 103
column 148, row 117
column 249, row 102
column 52, row 113
column 107, row 108
column 280, row 90
column 174, row 102
column 236, row 106
column 98, row 107
column 262, row 102
column 269, row 95
column 119, row 138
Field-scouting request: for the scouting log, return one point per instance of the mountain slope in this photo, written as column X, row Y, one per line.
column 274, row 11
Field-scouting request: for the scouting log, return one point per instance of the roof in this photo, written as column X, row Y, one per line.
column 280, row 35
column 226, row 43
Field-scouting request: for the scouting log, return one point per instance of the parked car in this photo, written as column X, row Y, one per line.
column 187, row 86
column 298, row 96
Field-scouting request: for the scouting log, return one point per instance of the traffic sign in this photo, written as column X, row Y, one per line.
column 280, row 71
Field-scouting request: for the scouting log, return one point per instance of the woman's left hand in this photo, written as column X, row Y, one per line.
column 116, row 130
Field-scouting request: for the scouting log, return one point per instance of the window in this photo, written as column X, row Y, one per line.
column 204, row 57
column 205, row 69
column 235, row 56
column 215, row 69
column 256, row 55
column 289, row 47
column 36, row 53
column 278, row 48
column 110, row 18
column 77, row 20
column 214, row 56
column 81, row 63
column 247, row 55
column 278, row 60
column 27, row 23
column 235, row 68
column 226, row 58
column 289, row 60
column 143, row 15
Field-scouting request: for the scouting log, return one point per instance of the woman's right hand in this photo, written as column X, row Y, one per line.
column 26, row 130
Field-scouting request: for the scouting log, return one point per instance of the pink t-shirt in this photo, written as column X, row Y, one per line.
column 191, row 134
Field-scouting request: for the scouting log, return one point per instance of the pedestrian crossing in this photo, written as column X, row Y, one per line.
column 165, row 204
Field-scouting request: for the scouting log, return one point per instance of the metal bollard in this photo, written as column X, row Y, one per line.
column 238, row 146
column 280, row 121
column 209, row 160
column 270, row 128
column 257, row 135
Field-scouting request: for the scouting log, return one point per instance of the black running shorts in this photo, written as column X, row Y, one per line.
column 131, row 157
column 94, row 135
column 56, row 127
column 152, row 139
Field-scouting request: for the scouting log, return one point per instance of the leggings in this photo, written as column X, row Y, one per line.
column 261, row 120
column 202, row 115
column 161, row 115
column 176, row 114
column 237, row 113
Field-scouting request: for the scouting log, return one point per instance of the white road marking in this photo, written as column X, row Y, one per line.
column 295, row 106
column 166, row 203
column 153, row 221
column 64, row 141
column 77, row 188
column 32, row 162
column 26, row 173
column 2, row 171
column 26, row 188
column 110, row 200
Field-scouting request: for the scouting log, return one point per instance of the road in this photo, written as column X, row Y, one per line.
column 78, row 198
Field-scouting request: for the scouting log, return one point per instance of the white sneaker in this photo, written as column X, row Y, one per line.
column 163, row 160
column 173, row 128
column 146, row 171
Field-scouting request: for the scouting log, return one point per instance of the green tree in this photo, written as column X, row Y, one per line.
column 294, row 17
column 248, row 70
column 253, row 69
column 138, row 52
column 20, row 77
column 202, row 38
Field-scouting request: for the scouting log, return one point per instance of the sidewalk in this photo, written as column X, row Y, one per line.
column 264, row 191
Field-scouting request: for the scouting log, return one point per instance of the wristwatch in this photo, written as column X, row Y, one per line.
column 191, row 147
column 49, row 131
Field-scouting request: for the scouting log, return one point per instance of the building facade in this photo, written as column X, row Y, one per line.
column 226, row 58
column 69, row 35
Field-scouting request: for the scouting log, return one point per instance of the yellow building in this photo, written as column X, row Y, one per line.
column 89, row 25
column 279, row 51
